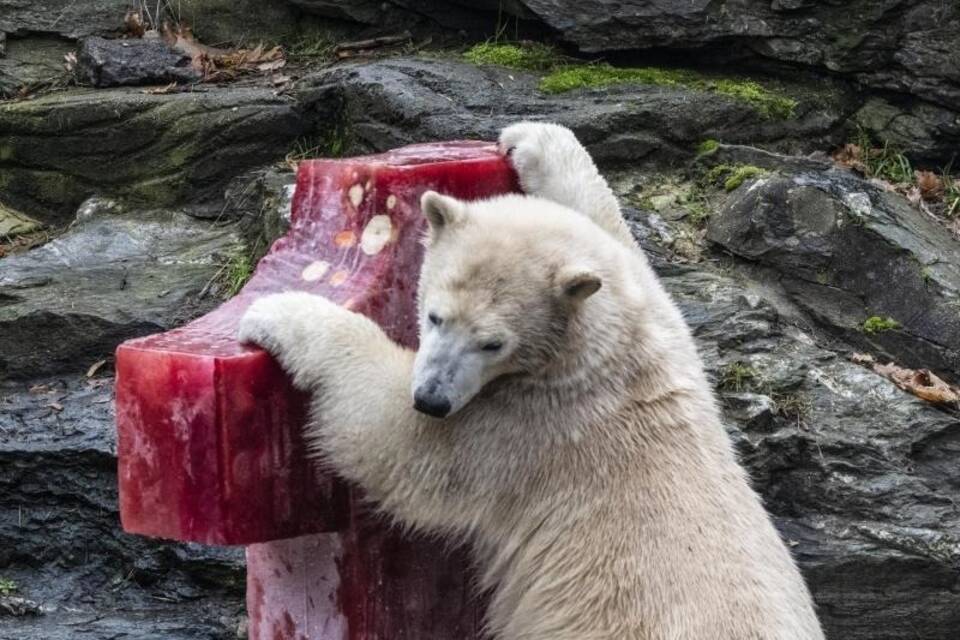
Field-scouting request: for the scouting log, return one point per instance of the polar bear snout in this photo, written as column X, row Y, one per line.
column 427, row 399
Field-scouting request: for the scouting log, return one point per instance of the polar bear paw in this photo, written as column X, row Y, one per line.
column 283, row 321
column 546, row 157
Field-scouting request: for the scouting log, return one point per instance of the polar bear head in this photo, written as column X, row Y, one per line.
column 501, row 282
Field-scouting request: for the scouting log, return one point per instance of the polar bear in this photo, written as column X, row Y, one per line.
column 556, row 415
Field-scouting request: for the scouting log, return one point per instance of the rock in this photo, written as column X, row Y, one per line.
column 65, row 18
column 928, row 132
column 860, row 476
column 240, row 22
column 32, row 61
column 910, row 46
column 13, row 223
column 845, row 251
column 60, row 537
column 159, row 150
column 393, row 102
column 113, row 63
column 111, row 276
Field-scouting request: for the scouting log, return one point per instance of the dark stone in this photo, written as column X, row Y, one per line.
column 860, row 476
column 846, row 250
column 928, row 132
column 112, row 276
column 911, row 46
column 136, row 61
column 160, row 150
column 397, row 101
column 60, row 537
column 67, row 18
column 32, row 61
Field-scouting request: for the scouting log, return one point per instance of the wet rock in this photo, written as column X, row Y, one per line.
column 60, row 538
column 111, row 276
column 928, row 132
column 860, row 476
column 393, row 102
column 909, row 46
column 845, row 251
column 60, row 149
column 65, row 18
column 32, row 61
column 241, row 22
column 113, row 63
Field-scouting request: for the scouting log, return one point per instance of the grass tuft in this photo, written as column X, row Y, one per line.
column 235, row 273
column 737, row 376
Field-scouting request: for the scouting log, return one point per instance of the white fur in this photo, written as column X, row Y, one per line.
column 591, row 472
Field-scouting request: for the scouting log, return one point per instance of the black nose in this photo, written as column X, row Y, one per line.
column 432, row 405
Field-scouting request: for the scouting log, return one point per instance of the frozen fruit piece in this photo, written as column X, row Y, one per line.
column 209, row 440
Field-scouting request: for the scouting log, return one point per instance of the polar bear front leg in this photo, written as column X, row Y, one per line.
column 552, row 164
column 313, row 339
column 362, row 419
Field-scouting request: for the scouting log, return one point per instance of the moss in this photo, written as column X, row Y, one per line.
column 7, row 587
column 878, row 324
column 737, row 376
column 740, row 174
column 528, row 56
column 732, row 176
column 6, row 152
column 707, row 147
column 763, row 100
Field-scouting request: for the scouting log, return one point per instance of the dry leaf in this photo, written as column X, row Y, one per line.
column 850, row 156
column 37, row 389
column 222, row 64
column 160, row 91
column 133, row 25
column 92, row 371
column 930, row 185
column 922, row 383
column 56, row 406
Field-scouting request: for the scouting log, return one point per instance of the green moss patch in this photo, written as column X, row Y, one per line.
column 528, row 56
column 707, row 147
column 878, row 324
column 732, row 176
column 7, row 587
column 765, row 101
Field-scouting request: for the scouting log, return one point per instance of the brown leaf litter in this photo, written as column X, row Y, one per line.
column 922, row 383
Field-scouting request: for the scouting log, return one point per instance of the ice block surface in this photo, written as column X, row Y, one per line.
column 209, row 430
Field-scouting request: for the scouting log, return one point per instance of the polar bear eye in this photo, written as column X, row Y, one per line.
column 492, row 346
column 434, row 319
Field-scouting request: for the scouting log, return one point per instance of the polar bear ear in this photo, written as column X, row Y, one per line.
column 442, row 212
column 577, row 283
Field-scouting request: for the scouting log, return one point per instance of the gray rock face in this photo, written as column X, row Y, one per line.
column 928, row 131
column 66, row 18
column 60, row 540
column 398, row 101
column 910, row 46
column 112, row 276
column 60, row 149
column 861, row 477
column 31, row 61
column 114, row 63
column 846, row 251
